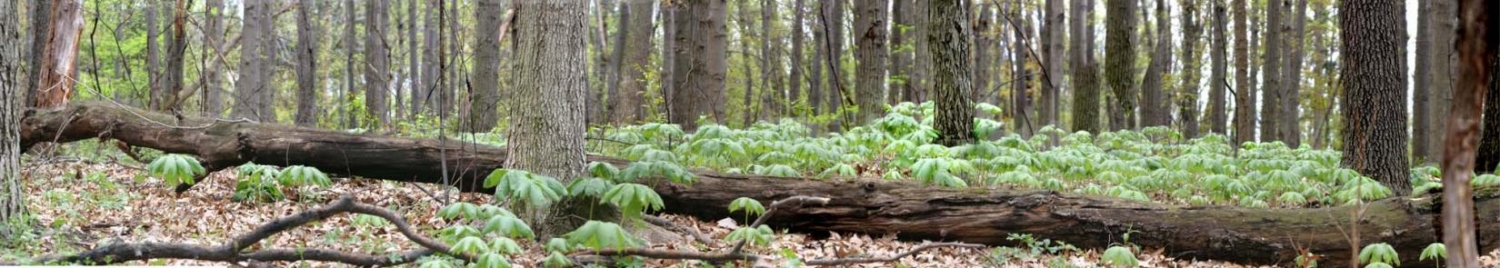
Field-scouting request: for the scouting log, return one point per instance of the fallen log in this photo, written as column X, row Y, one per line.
column 912, row 212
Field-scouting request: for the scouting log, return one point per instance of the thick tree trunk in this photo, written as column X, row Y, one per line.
column 1085, row 71
column 1489, row 144
column 485, row 100
column 307, row 66
column 1119, row 60
column 870, row 30
column 1153, row 101
column 546, row 138
column 54, row 84
column 630, row 103
column 254, row 84
column 948, row 36
column 913, row 212
column 12, row 194
column 699, row 66
column 1475, row 46
column 1374, row 112
column 921, row 78
column 1244, row 91
column 833, row 25
column 1270, row 99
column 1218, row 83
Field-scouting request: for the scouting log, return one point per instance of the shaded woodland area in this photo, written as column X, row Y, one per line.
column 1257, row 132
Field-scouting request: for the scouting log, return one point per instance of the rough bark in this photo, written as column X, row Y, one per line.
column 40, row 22
column 54, row 84
column 1374, row 114
column 1441, row 82
column 913, row 212
column 213, row 35
column 546, row 137
column 377, row 64
column 171, row 85
column 1291, row 87
column 1053, row 33
column 1218, row 81
column 1085, row 75
column 1244, row 95
column 948, row 39
column 1187, row 97
column 870, row 29
column 1153, row 99
column 1476, row 49
column 12, row 193
column 900, row 52
column 700, row 65
column 427, row 95
column 254, row 83
column 1119, row 60
column 1271, row 64
column 307, row 66
column 485, row 99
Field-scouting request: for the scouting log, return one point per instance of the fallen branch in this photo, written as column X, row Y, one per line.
column 233, row 250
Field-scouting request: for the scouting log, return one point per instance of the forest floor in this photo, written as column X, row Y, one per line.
column 80, row 205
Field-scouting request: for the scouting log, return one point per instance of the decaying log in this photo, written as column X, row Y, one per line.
column 912, row 212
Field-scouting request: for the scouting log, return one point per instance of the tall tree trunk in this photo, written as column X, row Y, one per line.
column 307, row 65
column 617, row 61
column 486, row 95
column 700, row 65
column 1422, row 87
column 1476, row 47
column 921, row 78
column 1119, row 60
column 1374, row 112
column 833, row 25
column 1244, row 95
column 948, row 36
column 669, row 57
column 794, row 80
column 1153, row 100
column 12, row 192
column 41, row 11
column 213, row 37
column 819, row 61
column 1291, row 128
column 546, row 138
column 377, row 64
column 1021, row 77
column 900, row 52
column 152, row 19
column 255, row 68
column 1441, row 86
column 1187, row 99
column 351, row 49
column 171, row 84
column 770, row 61
column 1053, row 34
column 630, row 102
column 1218, row 82
column 54, row 84
column 870, row 29
column 1271, row 70
column 982, row 41
column 427, row 95
column 746, row 64
column 1085, row 74
column 1489, row 144
column 414, row 60
column 599, row 77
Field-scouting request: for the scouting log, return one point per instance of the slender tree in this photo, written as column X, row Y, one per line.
column 1244, row 95
column 1153, row 99
column 254, row 88
column 1187, row 98
column 485, row 101
column 171, row 84
column 948, row 35
column 1218, row 83
column 699, row 66
column 1053, row 36
column 629, row 104
column 833, row 25
column 795, row 78
column 871, row 31
column 1119, row 59
column 546, row 137
column 1291, row 87
column 1085, row 70
column 1488, row 156
column 921, row 78
column 770, row 61
column 1421, row 87
column 1271, row 72
column 819, row 61
column 1374, row 107
column 377, row 64
column 41, row 10
column 1441, row 80
column 1476, row 47
column 152, row 19
column 1021, row 81
column 213, row 36
column 12, row 193
column 307, row 65
column 351, row 49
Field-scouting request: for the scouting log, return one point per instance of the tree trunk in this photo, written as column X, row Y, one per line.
column 747, row 69
column 1291, row 127
column 1442, row 78
column 1475, row 46
column 1374, row 115
column 617, row 61
column 819, row 61
column 669, row 57
column 414, row 58
column 485, row 100
column 1085, row 74
column 1489, row 144
column 1153, row 100
column 55, row 80
column 870, row 29
column 1119, row 60
column 700, row 65
column 1053, row 34
column 41, row 10
column 794, row 99
column 12, row 192
column 771, row 68
column 921, row 78
column 377, row 64
column 900, row 52
column 982, row 40
column 1187, row 99
column 913, row 212
column 307, row 66
column 630, row 106
column 546, row 138
column 213, row 36
column 1422, row 86
column 1244, row 95
column 171, row 84
column 152, row 19
column 1271, row 70
column 427, row 99
column 948, row 36
column 1021, row 77
column 255, row 66
column 1218, row 82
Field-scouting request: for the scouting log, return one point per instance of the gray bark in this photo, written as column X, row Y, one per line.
column 700, row 65
column 948, row 35
column 1440, row 97
column 377, row 64
column 1422, row 88
column 1153, row 99
column 546, row 138
column 484, row 103
column 1119, row 60
column 1271, row 73
column 1218, row 84
column 1085, row 75
column 213, row 36
column 12, row 192
column 254, row 89
column 1291, row 130
column 870, row 29
column 1373, row 105
column 307, row 65
column 1054, row 32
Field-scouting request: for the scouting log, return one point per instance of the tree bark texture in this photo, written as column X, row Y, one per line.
column 1244, row 91
column 377, row 64
column 631, row 100
column 1086, row 92
column 795, row 79
column 152, row 21
column 213, row 36
column 1291, row 88
column 1488, row 155
column 772, row 100
column 871, row 20
column 1218, row 81
column 307, row 65
column 1270, row 64
column 1422, row 85
column 351, row 50
column 1374, row 115
column 1119, row 60
column 1187, row 98
column 699, row 66
column 485, row 99
column 1476, row 47
column 1442, row 80
column 12, row 192
column 54, row 84
column 921, row 75
column 948, row 39
column 254, row 89
column 1053, row 33
column 913, row 212
column 171, row 85
column 1153, row 99
column 546, row 137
